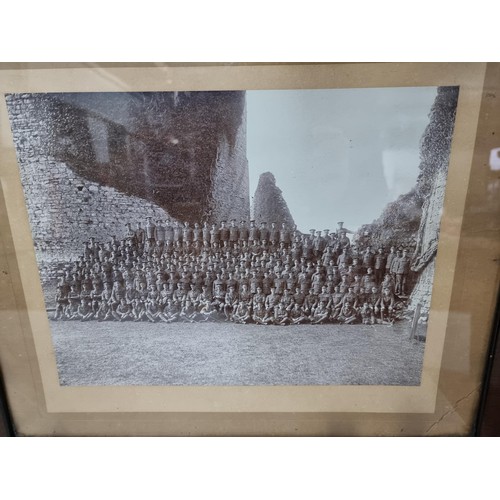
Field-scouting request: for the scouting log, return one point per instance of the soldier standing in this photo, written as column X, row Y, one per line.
column 197, row 234
column 177, row 233
column 214, row 236
column 160, row 233
column 187, row 236
column 223, row 232
column 234, row 233
column 394, row 264
column 368, row 259
column 205, row 231
column 150, row 231
column 379, row 266
column 139, row 235
column 253, row 232
column 243, row 232
column 402, row 270
column 274, row 233
column 388, row 261
column 264, row 232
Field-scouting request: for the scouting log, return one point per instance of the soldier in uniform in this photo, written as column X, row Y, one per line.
column 166, row 294
column 245, row 295
column 188, row 312
column 205, row 231
column 234, row 233
column 367, row 314
column 139, row 235
column 320, row 314
column 336, row 302
column 274, row 233
column 324, row 297
column 178, row 295
column 368, row 258
column 187, row 236
column 170, row 312
column 160, row 233
column 230, row 302
column 344, row 258
column 297, row 316
column 253, row 232
column 177, row 234
column 150, row 231
column 242, row 314
column 223, row 232
column 244, row 233
column 123, row 311
column 264, row 232
column 394, row 264
column 272, row 300
column 214, row 236
column 298, row 297
column 388, row 282
column 287, row 300
column 198, row 234
column 318, row 245
column 281, row 315
column 169, row 234
column 373, row 297
column 350, row 298
column 285, row 235
column 258, row 315
column 152, row 309
column 84, row 312
column 347, row 315
column 343, row 240
column 402, row 269
column 385, row 305
column 219, row 297
column 74, row 301
column 379, row 266
column 310, row 303
column 62, row 303
column 388, row 261
column 368, row 280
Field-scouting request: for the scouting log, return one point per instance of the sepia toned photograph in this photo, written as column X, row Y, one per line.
column 236, row 238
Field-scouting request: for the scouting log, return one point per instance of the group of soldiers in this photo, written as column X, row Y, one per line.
column 256, row 273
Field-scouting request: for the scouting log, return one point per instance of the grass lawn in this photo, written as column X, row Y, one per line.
column 92, row 353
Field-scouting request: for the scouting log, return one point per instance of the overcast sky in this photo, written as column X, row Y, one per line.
column 337, row 155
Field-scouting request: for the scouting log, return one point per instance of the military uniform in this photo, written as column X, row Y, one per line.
column 402, row 269
column 253, row 233
column 234, row 233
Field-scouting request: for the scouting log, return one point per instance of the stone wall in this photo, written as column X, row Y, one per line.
column 65, row 210
column 183, row 151
column 231, row 185
column 64, row 207
column 269, row 205
column 427, row 242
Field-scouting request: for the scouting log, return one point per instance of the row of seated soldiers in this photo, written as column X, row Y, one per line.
column 259, row 282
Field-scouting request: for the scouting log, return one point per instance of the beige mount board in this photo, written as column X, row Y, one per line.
column 462, row 302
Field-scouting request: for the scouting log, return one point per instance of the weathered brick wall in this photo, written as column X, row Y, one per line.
column 64, row 208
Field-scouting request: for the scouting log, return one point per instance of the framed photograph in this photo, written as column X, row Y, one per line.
column 247, row 249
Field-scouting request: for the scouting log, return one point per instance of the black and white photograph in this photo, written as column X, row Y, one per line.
column 236, row 238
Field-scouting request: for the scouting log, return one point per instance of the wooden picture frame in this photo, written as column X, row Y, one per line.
column 463, row 298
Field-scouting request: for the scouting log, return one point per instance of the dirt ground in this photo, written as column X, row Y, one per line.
column 91, row 353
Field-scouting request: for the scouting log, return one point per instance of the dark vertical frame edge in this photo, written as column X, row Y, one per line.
column 6, row 424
